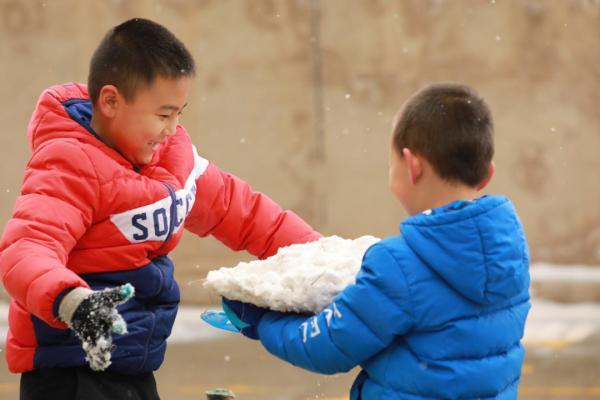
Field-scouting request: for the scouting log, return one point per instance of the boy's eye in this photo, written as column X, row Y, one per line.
column 164, row 117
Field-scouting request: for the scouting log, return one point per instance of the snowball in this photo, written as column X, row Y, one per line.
column 299, row 278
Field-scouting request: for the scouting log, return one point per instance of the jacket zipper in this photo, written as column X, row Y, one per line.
column 173, row 214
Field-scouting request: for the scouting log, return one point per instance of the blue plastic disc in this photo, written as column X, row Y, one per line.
column 219, row 320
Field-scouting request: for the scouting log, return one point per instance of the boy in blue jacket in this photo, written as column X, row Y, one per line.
column 439, row 310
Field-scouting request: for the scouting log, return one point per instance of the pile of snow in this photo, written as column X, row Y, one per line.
column 300, row 278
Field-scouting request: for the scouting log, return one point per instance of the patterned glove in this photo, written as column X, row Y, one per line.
column 244, row 316
column 93, row 316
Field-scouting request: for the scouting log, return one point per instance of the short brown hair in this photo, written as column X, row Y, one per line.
column 137, row 52
column 451, row 126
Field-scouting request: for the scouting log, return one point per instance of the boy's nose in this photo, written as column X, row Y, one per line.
column 170, row 129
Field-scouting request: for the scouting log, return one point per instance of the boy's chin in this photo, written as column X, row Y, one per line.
column 139, row 161
column 144, row 159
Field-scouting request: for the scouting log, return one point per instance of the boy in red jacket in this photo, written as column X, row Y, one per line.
column 112, row 180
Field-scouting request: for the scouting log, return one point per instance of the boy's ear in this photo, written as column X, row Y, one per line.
column 489, row 177
column 414, row 165
column 108, row 100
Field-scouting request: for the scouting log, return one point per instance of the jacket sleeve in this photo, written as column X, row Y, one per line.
column 362, row 320
column 242, row 219
column 55, row 208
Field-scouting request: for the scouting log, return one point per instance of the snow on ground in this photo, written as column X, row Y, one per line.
column 190, row 328
column 301, row 277
column 557, row 325
column 543, row 272
column 3, row 322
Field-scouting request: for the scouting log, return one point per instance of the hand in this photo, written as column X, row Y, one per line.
column 244, row 316
column 93, row 316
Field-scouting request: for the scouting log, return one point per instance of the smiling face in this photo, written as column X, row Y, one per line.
column 136, row 129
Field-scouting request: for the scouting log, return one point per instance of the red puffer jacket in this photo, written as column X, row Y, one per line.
column 87, row 217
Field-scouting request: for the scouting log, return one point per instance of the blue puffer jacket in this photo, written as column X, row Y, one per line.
column 436, row 312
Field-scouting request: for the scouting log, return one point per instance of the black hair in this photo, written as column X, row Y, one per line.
column 451, row 126
column 137, row 52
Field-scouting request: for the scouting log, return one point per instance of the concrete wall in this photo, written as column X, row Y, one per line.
column 297, row 97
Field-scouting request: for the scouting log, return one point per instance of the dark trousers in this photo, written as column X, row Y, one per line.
column 81, row 383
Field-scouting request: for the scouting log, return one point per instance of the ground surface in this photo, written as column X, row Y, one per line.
column 563, row 362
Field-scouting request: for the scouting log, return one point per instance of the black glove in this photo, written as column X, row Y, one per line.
column 93, row 316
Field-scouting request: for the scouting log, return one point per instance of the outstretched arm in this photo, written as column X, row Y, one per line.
column 242, row 219
column 361, row 321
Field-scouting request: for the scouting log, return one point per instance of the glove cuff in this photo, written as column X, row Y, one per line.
column 70, row 302
column 233, row 317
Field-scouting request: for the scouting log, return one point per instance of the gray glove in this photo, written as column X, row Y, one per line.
column 93, row 316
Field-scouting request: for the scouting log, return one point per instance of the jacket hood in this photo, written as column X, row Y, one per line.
column 477, row 247
column 57, row 115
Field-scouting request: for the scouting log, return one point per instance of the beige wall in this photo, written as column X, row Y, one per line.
column 297, row 97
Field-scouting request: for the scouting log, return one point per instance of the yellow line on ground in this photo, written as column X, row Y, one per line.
column 199, row 389
column 527, row 369
column 524, row 391
column 329, row 398
column 535, row 391
column 562, row 391
column 9, row 387
column 557, row 344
